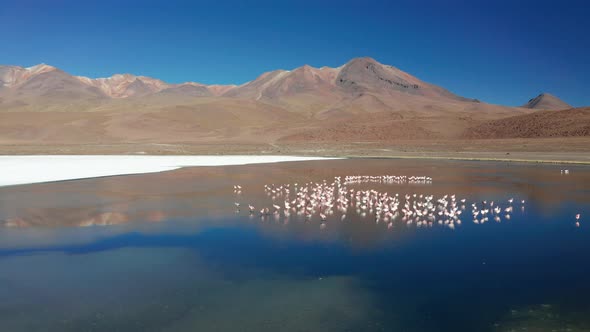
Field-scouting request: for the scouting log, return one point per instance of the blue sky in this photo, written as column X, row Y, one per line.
column 502, row 52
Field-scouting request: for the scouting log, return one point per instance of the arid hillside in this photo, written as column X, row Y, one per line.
column 565, row 123
column 546, row 101
column 360, row 101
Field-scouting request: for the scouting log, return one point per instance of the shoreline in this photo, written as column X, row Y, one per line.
column 485, row 159
column 25, row 169
column 33, row 169
column 557, row 150
column 570, row 158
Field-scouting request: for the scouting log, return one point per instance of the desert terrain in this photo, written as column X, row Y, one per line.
column 362, row 108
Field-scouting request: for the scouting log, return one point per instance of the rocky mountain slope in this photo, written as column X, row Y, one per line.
column 546, row 101
column 360, row 101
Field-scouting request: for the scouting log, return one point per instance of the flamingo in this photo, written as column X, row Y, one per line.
column 327, row 198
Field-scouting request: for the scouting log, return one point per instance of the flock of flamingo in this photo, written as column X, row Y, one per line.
column 320, row 200
column 386, row 179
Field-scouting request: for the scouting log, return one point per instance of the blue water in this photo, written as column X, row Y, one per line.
column 232, row 272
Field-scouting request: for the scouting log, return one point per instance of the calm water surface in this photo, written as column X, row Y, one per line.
column 169, row 252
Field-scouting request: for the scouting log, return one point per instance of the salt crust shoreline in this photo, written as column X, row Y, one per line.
column 17, row 170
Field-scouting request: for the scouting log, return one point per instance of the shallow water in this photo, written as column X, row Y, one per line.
column 168, row 252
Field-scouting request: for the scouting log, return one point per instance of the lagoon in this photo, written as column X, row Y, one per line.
column 169, row 252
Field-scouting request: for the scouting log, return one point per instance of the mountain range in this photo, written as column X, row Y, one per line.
column 362, row 100
column 354, row 79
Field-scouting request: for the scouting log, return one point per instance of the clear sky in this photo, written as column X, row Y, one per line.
column 499, row 51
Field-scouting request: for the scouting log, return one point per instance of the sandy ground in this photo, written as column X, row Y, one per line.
column 554, row 150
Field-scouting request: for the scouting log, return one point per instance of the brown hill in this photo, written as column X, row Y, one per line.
column 565, row 123
column 546, row 101
column 358, row 76
column 363, row 75
column 188, row 89
column 361, row 101
column 125, row 85
column 44, row 81
column 18, row 83
column 11, row 76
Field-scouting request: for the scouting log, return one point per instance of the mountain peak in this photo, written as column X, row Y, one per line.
column 363, row 59
column 15, row 75
column 361, row 75
column 122, row 77
column 40, row 68
column 546, row 101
